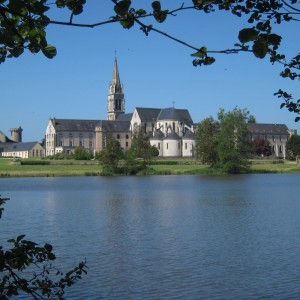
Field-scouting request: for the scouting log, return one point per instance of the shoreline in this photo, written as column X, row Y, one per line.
column 164, row 167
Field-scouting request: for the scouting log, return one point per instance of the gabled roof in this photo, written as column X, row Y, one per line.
column 259, row 128
column 148, row 114
column 124, row 117
column 13, row 147
column 175, row 114
column 74, row 125
column 114, row 126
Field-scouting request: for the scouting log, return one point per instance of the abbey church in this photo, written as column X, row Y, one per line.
column 171, row 130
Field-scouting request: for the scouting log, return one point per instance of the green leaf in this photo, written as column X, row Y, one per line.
column 160, row 16
column 141, row 12
column 274, row 39
column 18, row 7
column 127, row 23
column 49, row 51
column 16, row 52
column 48, row 247
column 156, row 6
column 20, row 237
column 40, row 8
column 248, row 35
column 260, row 48
column 209, row 60
column 122, row 7
column 282, row 105
column 201, row 53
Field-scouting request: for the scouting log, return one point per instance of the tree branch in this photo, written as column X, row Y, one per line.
column 290, row 6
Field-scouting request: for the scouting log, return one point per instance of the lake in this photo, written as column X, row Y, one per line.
column 165, row 237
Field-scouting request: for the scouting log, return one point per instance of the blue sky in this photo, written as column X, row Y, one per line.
column 155, row 71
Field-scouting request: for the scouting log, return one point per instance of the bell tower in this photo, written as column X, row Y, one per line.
column 116, row 101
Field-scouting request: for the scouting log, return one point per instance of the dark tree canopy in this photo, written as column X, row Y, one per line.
column 111, row 155
column 233, row 140
column 225, row 143
column 23, row 26
column 206, row 146
column 293, row 147
column 261, row 147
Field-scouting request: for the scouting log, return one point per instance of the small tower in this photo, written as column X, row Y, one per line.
column 16, row 134
column 116, row 101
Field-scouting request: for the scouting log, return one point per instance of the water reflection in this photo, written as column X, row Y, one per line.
column 170, row 237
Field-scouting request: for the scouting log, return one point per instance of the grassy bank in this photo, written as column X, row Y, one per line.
column 7, row 169
column 81, row 168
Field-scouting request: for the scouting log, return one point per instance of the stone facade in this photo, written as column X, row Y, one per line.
column 276, row 134
column 119, row 130
column 64, row 135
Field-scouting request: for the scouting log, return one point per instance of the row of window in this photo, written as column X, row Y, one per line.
column 119, row 136
column 50, row 144
column 179, row 144
column 273, row 137
column 71, row 135
column 61, row 143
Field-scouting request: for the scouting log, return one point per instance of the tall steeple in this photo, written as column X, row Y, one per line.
column 116, row 101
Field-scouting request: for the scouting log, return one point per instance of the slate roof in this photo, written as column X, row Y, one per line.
column 189, row 135
column 258, row 128
column 158, row 135
column 114, row 126
column 124, row 117
column 74, row 125
column 172, row 136
column 175, row 114
column 4, row 138
column 13, row 147
column 148, row 114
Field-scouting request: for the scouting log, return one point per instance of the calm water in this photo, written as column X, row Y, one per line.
column 166, row 237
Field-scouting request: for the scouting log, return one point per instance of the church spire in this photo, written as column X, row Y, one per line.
column 115, row 77
column 116, row 101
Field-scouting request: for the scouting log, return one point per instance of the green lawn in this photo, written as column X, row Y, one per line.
column 9, row 170
column 285, row 167
column 75, row 168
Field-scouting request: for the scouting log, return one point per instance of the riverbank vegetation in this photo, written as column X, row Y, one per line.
column 157, row 167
